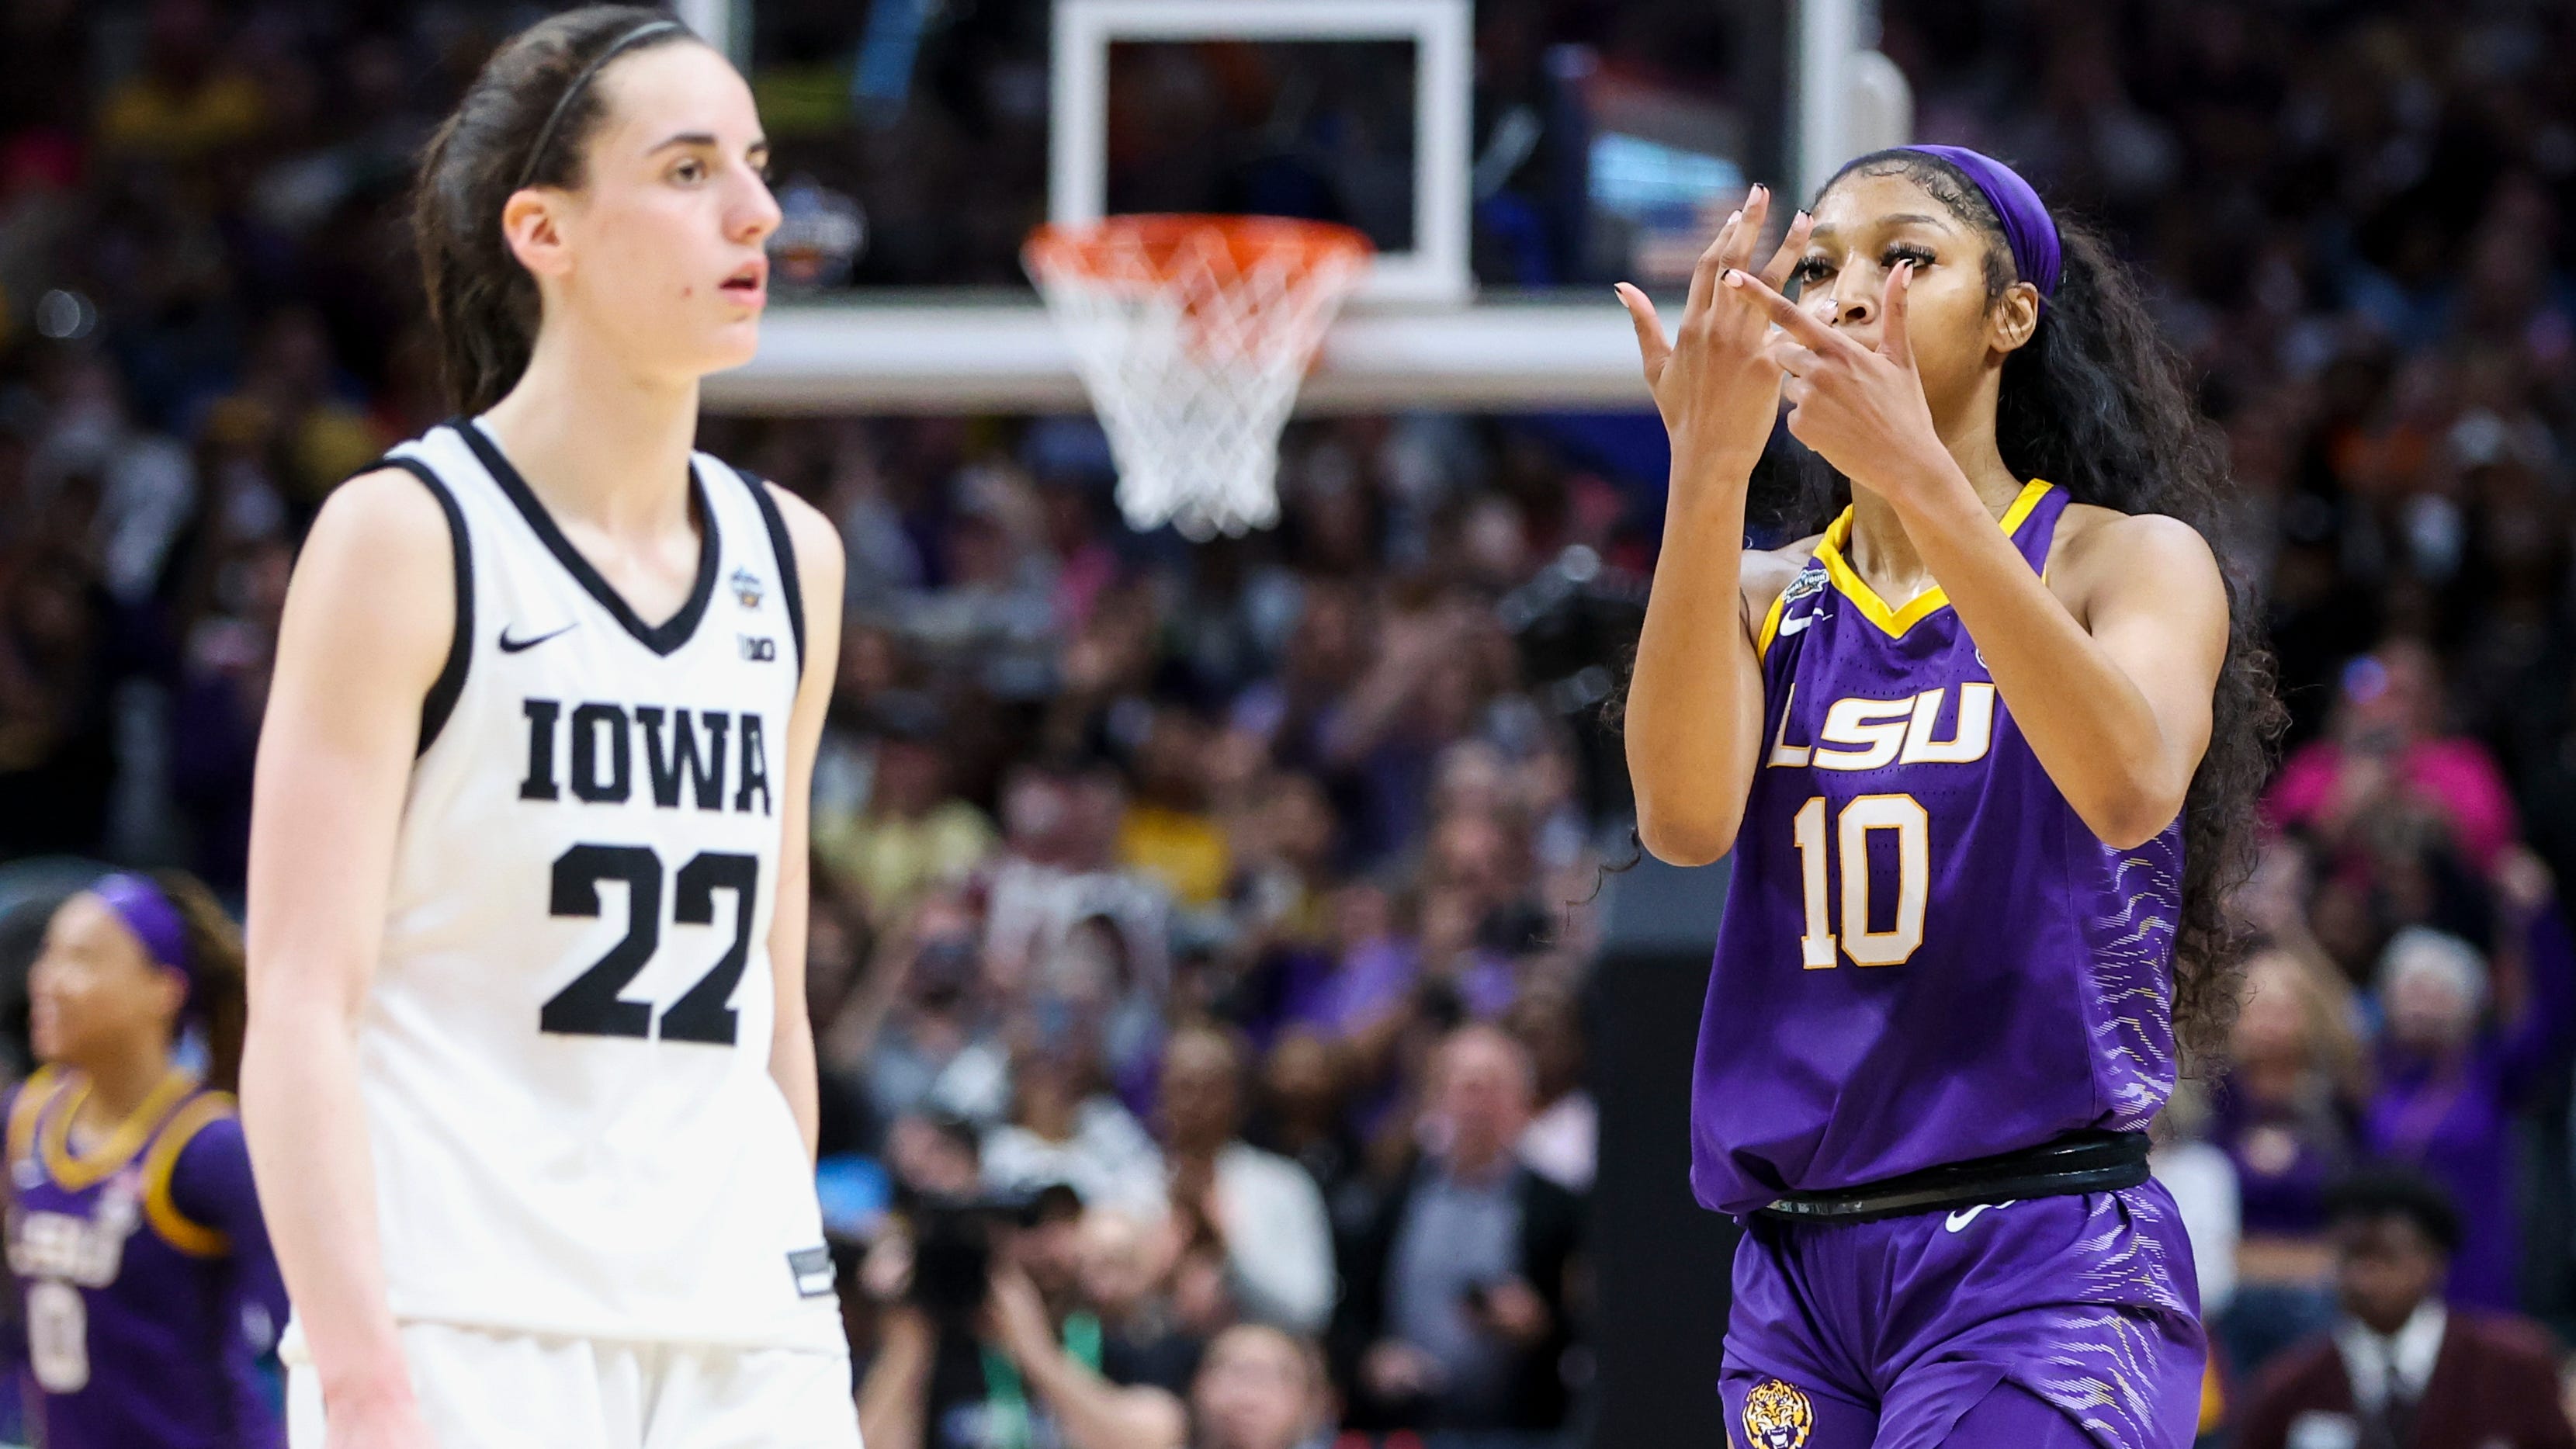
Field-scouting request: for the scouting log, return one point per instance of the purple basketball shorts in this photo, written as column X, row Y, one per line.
column 2072, row 1320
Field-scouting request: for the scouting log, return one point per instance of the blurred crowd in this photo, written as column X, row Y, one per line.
column 1201, row 954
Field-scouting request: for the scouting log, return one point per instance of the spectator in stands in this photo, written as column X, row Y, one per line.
column 1454, row 1312
column 936, row 1049
column 934, row 1157
column 1058, row 871
column 1066, row 1128
column 1563, row 1140
column 2285, row 1120
column 1259, row 1388
column 1168, row 832
column 1259, row 1212
column 2450, row 1084
column 1126, row 1280
column 1302, row 1118
column 909, row 834
column 2385, row 749
column 2400, row 1369
column 1029, row 1365
column 190, row 99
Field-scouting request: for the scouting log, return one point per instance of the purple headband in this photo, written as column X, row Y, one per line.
column 2029, row 231
column 150, row 916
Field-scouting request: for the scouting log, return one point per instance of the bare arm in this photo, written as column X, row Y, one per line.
column 819, row 567
column 367, row 627
column 1094, row 1413
column 2115, row 703
column 895, row 1395
column 1694, row 714
column 2110, row 670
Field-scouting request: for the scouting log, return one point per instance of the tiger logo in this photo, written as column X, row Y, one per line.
column 1777, row 1415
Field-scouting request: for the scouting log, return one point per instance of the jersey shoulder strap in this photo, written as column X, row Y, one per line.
column 440, row 701
column 782, row 549
column 162, row 1160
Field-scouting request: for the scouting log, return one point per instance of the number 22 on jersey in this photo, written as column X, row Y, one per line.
column 591, row 1005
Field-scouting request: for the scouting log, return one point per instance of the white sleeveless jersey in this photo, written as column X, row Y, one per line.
column 565, row 1055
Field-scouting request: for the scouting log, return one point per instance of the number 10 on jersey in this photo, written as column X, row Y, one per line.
column 1902, row 814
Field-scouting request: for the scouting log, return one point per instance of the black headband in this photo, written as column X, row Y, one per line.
column 580, row 83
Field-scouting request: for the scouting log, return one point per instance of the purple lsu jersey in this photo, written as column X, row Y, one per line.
column 146, row 1283
column 1926, row 956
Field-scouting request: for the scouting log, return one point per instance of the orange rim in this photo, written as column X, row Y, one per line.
column 1090, row 249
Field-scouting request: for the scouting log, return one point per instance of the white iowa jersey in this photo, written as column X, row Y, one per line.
column 565, row 1058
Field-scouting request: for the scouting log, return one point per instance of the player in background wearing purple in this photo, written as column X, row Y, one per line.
column 134, row 1234
column 1983, row 749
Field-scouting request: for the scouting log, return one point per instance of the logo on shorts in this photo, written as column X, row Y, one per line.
column 1777, row 1415
column 812, row 1270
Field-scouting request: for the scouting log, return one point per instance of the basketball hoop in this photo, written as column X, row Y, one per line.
column 1191, row 334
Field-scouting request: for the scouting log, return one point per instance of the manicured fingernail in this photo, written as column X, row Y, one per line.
column 1733, row 278
column 1735, row 216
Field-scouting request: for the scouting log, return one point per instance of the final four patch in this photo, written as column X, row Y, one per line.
column 746, row 588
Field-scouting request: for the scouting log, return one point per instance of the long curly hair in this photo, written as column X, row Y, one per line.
column 2100, row 405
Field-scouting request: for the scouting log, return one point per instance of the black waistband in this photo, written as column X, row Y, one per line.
column 2077, row 1162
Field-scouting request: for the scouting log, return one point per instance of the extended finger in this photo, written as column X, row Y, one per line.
column 1786, row 315
column 1652, row 346
column 1785, row 260
column 1893, row 340
column 1712, row 263
column 1757, row 210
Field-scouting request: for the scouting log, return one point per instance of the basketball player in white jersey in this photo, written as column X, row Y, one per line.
column 529, row 1083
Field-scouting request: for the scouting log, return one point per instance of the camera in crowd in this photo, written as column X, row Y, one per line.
column 955, row 1241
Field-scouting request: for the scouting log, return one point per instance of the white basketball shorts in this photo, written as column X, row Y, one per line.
column 487, row 1390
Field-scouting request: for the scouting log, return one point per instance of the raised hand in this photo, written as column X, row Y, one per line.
column 1716, row 389
column 1861, row 407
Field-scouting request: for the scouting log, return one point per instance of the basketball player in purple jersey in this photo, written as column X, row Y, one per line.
column 134, row 1236
column 1982, row 749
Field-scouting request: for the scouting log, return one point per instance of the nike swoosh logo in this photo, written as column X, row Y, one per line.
column 1965, row 1216
column 513, row 646
column 1799, row 624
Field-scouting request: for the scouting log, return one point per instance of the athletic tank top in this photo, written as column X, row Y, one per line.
column 1926, row 956
column 141, row 1326
column 565, row 1053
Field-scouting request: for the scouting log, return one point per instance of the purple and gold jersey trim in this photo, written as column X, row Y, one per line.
column 1927, row 957
column 1829, row 566
column 74, row 1171
column 158, row 1208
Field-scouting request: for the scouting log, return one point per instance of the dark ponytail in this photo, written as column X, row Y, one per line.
column 2097, row 403
column 218, row 997
column 482, row 304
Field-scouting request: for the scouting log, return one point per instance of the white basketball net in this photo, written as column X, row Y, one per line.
column 1192, row 345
